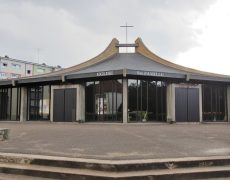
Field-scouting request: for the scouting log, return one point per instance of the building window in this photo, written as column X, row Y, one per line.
column 40, row 70
column 15, row 75
column 2, row 75
column 39, row 103
column 16, row 66
column 4, row 65
column 214, row 99
column 104, row 100
column 146, row 100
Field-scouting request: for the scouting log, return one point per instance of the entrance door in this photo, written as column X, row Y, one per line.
column 64, row 105
column 187, row 104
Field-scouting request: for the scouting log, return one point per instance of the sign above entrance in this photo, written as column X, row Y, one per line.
column 150, row 73
column 105, row 73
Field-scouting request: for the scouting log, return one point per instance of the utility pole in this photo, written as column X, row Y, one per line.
column 38, row 51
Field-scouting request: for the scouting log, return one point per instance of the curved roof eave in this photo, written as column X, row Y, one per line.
column 142, row 49
column 111, row 51
column 108, row 52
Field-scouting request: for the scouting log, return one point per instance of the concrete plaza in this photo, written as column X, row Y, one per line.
column 117, row 141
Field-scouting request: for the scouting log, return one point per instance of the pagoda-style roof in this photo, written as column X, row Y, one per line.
column 110, row 62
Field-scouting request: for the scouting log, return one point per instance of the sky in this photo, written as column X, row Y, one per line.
column 193, row 33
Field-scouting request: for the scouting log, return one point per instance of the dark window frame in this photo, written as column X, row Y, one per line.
column 153, row 97
column 214, row 103
column 6, row 104
column 102, row 91
column 35, row 94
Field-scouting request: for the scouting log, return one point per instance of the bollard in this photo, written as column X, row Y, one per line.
column 4, row 134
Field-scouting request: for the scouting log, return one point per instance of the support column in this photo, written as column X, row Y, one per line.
column 125, row 100
column 228, row 103
column 200, row 103
column 170, row 90
column 23, row 109
column 80, row 113
column 51, row 102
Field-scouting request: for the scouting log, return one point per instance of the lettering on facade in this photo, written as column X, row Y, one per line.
column 206, row 164
column 170, row 165
column 105, row 73
column 150, row 73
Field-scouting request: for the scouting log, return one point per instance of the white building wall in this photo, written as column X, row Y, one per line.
column 29, row 70
column 12, row 68
column 171, row 115
column 80, row 100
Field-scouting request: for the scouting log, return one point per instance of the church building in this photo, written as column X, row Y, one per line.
column 118, row 87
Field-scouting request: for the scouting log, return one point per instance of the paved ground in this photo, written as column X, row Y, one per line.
column 117, row 141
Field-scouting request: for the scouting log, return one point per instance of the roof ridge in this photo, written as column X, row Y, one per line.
column 108, row 52
column 143, row 50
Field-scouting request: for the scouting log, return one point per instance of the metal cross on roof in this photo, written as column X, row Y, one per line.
column 126, row 31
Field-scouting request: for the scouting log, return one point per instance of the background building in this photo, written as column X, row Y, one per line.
column 14, row 68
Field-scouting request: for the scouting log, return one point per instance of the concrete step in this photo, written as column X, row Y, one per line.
column 115, row 165
column 74, row 173
column 20, row 177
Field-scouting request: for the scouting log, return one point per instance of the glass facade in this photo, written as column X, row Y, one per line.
column 103, row 100
column 39, row 103
column 10, row 103
column 214, row 102
column 146, row 100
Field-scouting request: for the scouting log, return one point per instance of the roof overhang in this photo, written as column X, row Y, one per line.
column 5, row 82
column 39, row 79
column 125, row 73
column 209, row 78
column 144, row 59
column 150, row 74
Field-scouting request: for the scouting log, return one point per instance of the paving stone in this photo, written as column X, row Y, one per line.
column 117, row 141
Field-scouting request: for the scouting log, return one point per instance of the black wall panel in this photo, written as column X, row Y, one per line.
column 70, row 105
column 181, row 104
column 58, row 105
column 193, row 105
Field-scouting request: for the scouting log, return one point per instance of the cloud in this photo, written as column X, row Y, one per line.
column 27, row 27
column 212, row 53
column 71, row 31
